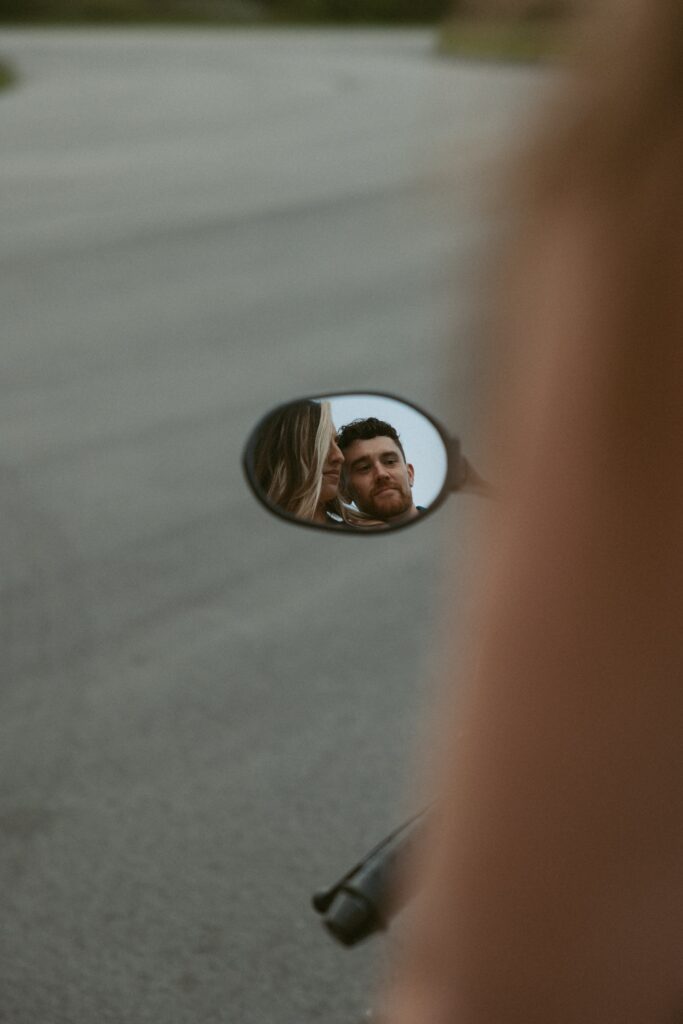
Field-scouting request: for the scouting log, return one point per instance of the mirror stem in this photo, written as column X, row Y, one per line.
column 472, row 482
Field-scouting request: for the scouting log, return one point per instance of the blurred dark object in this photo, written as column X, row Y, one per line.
column 366, row 898
column 228, row 11
column 235, row 11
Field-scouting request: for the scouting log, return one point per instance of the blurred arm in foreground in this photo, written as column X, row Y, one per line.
column 554, row 881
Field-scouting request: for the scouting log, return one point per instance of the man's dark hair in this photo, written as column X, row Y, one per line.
column 365, row 430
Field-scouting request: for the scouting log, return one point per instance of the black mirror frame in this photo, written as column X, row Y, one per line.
column 456, row 466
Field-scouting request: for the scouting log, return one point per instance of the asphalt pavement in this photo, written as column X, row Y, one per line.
column 204, row 712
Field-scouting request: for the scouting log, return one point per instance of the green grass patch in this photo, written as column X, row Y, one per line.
column 7, row 75
column 522, row 40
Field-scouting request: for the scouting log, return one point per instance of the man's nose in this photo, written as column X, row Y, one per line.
column 381, row 472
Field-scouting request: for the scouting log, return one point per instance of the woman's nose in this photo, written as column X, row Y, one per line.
column 336, row 455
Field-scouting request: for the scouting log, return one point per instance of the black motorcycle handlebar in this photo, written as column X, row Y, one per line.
column 365, row 900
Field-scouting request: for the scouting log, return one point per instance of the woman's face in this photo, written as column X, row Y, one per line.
column 331, row 473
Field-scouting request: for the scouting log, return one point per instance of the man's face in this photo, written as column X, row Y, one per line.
column 378, row 479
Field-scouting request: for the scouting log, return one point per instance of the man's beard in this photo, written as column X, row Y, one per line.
column 389, row 505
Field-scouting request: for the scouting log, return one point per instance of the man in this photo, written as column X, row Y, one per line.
column 376, row 475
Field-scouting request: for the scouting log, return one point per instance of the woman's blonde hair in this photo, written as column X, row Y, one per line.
column 290, row 455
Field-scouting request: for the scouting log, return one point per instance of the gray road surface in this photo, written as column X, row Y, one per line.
column 205, row 713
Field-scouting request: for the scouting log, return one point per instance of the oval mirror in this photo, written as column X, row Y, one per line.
column 350, row 462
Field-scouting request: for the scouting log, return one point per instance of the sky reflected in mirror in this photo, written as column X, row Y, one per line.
column 423, row 445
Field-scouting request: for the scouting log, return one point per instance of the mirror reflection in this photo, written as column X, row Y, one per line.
column 349, row 462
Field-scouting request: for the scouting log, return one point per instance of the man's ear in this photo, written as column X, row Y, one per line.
column 411, row 473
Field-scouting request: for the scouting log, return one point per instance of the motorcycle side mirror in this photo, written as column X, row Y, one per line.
column 354, row 462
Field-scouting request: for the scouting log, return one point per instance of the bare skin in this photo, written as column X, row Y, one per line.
column 330, row 485
column 555, row 890
column 553, row 883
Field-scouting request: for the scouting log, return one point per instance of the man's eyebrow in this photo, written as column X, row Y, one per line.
column 361, row 458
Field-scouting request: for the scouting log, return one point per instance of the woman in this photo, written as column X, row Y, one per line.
column 298, row 464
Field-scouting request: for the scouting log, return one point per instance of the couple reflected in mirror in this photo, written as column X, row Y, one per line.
column 354, row 478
